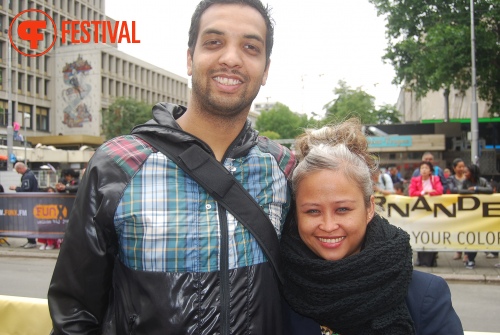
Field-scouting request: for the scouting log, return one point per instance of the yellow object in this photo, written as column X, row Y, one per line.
column 24, row 316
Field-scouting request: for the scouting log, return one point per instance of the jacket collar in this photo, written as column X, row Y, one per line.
column 164, row 125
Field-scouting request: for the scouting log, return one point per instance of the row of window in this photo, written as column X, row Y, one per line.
column 23, row 113
column 24, row 83
column 110, row 87
column 144, row 76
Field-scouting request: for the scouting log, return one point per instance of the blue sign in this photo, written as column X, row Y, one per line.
column 389, row 141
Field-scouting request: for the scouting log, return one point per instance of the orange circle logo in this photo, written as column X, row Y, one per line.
column 29, row 30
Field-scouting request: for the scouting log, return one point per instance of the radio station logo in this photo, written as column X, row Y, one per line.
column 77, row 32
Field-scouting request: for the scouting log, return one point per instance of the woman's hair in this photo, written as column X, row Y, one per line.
column 474, row 173
column 429, row 164
column 342, row 147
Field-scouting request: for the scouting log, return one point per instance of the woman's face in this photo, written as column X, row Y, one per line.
column 466, row 172
column 459, row 169
column 331, row 214
column 425, row 172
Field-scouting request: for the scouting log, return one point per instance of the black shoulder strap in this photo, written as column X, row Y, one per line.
column 226, row 190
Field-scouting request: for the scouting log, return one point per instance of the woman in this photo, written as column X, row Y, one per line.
column 426, row 183
column 346, row 268
column 473, row 183
column 455, row 182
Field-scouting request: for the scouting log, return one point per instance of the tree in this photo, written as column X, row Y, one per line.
column 350, row 103
column 387, row 114
column 357, row 103
column 281, row 120
column 430, row 49
column 122, row 115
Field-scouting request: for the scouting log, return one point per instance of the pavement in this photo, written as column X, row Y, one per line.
column 448, row 268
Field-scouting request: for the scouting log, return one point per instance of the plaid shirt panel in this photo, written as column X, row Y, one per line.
column 167, row 223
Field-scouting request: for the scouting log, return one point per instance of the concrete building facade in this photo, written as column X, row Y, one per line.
column 63, row 91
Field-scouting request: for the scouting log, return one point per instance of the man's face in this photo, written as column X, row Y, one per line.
column 428, row 158
column 229, row 62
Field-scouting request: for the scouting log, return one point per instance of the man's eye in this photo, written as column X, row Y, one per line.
column 212, row 42
column 252, row 48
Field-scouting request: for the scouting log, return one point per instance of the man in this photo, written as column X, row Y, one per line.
column 29, row 183
column 395, row 175
column 428, row 157
column 147, row 250
column 69, row 182
column 382, row 183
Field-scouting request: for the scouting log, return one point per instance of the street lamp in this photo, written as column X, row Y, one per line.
column 10, row 132
column 27, row 116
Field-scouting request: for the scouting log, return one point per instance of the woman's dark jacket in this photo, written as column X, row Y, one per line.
column 428, row 301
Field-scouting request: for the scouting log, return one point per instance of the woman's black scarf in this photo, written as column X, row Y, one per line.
column 361, row 294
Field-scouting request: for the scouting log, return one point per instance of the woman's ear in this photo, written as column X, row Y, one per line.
column 370, row 211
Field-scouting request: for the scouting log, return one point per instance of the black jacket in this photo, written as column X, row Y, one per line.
column 29, row 183
column 109, row 277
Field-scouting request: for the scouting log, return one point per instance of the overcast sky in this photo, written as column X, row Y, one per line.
column 317, row 43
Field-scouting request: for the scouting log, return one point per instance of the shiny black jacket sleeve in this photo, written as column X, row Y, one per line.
column 80, row 286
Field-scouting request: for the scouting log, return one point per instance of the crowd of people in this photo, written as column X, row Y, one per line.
column 68, row 183
column 430, row 179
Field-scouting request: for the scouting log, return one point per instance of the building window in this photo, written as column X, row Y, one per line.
column 42, row 119
column 4, row 113
column 24, row 114
column 28, row 83
column 20, row 79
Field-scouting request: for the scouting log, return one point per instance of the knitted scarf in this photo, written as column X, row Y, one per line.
column 360, row 294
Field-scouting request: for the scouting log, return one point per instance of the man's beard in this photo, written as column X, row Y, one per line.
column 220, row 105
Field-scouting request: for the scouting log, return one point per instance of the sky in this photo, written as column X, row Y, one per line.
column 317, row 43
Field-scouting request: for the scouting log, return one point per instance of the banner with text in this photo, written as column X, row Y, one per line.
column 42, row 215
column 448, row 222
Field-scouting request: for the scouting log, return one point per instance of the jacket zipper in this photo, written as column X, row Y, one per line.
column 224, row 272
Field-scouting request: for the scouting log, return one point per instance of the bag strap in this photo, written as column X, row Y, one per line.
column 226, row 190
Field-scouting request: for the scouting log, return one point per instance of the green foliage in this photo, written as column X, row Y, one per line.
column 357, row 103
column 429, row 45
column 282, row 121
column 350, row 103
column 388, row 114
column 123, row 115
column 272, row 135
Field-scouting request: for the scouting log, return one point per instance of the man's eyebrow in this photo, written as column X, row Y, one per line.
column 212, row 31
column 255, row 37
column 247, row 36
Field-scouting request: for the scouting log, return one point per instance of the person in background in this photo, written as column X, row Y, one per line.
column 29, row 183
column 382, row 183
column 428, row 157
column 48, row 243
column 147, row 249
column 455, row 182
column 494, row 186
column 446, row 173
column 473, row 184
column 395, row 175
column 425, row 184
column 399, row 189
column 1, row 189
column 347, row 269
column 17, row 134
column 69, row 181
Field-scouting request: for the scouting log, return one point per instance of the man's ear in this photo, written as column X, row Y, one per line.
column 189, row 62
column 266, row 73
